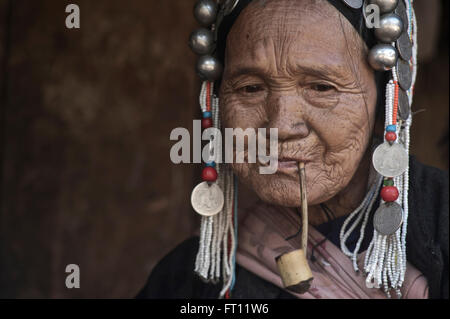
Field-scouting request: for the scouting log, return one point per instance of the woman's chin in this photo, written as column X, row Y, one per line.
column 288, row 202
column 278, row 192
column 284, row 191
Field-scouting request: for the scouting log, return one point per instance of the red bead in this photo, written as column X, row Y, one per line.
column 209, row 174
column 390, row 136
column 389, row 193
column 207, row 122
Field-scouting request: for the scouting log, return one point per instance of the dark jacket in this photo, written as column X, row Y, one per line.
column 427, row 249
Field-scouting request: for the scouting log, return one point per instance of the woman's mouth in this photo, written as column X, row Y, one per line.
column 287, row 164
column 284, row 165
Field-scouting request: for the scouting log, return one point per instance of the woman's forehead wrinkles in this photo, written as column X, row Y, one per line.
column 256, row 24
column 329, row 70
column 274, row 7
column 272, row 57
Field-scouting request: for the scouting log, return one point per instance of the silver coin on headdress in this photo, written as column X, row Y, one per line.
column 404, row 108
column 355, row 4
column 390, row 160
column 207, row 199
column 401, row 12
column 404, row 46
column 388, row 218
column 404, row 74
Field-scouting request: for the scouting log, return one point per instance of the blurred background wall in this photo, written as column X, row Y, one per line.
column 85, row 118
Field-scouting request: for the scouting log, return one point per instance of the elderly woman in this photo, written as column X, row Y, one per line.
column 339, row 94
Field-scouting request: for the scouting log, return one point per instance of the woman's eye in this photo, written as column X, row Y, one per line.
column 321, row 95
column 252, row 88
column 322, row 87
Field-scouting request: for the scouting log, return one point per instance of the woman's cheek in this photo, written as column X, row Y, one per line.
column 344, row 127
column 242, row 170
column 238, row 115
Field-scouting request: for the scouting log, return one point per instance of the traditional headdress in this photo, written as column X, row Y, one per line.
column 393, row 52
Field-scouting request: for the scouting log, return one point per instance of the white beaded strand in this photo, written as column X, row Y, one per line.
column 362, row 212
column 228, row 257
column 218, row 218
column 345, row 234
column 363, row 226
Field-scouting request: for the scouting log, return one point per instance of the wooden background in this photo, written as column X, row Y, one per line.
column 85, row 120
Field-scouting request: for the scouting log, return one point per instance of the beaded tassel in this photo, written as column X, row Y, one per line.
column 385, row 260
column 217, row 247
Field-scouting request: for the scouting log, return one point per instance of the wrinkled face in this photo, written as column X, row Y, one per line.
column 299, row 66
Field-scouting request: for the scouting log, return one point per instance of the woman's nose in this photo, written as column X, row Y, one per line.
column 286, row 113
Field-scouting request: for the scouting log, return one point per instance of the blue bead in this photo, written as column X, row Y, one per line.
column 211, row 164
column 391, row 128
column 206, row 114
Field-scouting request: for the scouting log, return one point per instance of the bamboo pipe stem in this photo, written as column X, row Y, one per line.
column 293, row 266
column 304, row 203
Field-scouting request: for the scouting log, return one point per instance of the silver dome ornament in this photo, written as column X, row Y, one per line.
column 391, row 27
column 385, row 5
column 205, row 11
column 201, row 41
column 209, row 68
column 382, row 57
